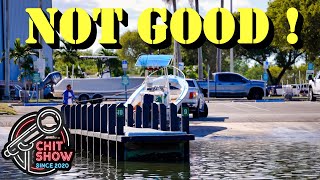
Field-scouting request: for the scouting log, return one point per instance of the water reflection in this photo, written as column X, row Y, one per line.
column 209, row 159
column 262, row 159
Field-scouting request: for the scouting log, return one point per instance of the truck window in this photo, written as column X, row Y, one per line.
column 224, row 77
column 230, row 78
column 235, row 78
column 190, row 83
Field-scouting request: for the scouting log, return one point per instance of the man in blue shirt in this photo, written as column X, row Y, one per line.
column 68, row 96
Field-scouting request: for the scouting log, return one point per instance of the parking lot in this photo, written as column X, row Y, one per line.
column 300, row 111
column 299, row 119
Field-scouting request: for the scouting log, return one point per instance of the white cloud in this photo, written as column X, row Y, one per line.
column 135, row 7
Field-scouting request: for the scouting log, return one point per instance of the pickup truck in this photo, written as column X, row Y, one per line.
column 314, row 87
column 195, row 100
column 233, row 85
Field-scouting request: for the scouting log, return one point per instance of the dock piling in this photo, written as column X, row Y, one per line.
column 129, row 115
column 138, row 117
column 154, row 116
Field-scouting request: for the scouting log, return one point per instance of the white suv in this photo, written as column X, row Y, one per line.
column 195, row 100
column 314, row 87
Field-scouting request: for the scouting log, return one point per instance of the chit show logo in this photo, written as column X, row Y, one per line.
column 37, row 147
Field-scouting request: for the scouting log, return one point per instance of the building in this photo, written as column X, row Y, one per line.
column 19, row 28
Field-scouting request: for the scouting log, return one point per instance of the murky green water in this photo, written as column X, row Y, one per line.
column 219, row 158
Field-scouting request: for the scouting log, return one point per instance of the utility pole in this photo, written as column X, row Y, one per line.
column 41, row 62
column 231, row 50
column 7, row 47
column 200, row 58
column 177, row 52
column 218, row 68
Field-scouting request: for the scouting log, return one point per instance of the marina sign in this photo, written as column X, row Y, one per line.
column 125, row 80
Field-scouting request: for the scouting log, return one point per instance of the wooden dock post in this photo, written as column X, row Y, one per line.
column 138, row 117
column 129, row 116
column 120, row 119
column 90, row 118
column 112, row 119
column 174, row 124
column 73, row 117
column 185, row 118
column 63, row 113
column 78, row 117
column 154, row 116
column 145, row 115
column 96, row 118
column 104, row 118
column 163, row 117
column 84, row 117
column 67, row 116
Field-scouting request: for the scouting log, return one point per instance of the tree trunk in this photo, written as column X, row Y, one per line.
column 200, row 57
column 271, row 78
column 277, row 80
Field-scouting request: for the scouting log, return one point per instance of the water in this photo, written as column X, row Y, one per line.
column 217, row 158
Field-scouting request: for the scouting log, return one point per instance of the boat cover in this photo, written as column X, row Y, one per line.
column 154, row 61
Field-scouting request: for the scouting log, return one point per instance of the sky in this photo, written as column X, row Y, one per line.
column 135, row 7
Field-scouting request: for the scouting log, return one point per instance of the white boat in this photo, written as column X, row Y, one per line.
column 164, row 89
column 97, row 89
column 92, row 88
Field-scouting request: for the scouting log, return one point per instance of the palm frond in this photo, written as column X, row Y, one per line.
column 191, row 2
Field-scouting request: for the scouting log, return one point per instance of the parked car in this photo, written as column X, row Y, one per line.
column 314, row 87
column 14, row 92
column 233, row 85
column 195, row 100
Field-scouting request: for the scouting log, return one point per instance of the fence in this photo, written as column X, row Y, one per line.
column 111, row 118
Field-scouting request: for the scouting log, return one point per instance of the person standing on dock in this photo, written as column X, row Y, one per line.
column 68, row 96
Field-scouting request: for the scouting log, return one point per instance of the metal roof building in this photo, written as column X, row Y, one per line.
column 19, row 28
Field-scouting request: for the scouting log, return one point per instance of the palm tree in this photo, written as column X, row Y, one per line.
column 177, row 51
column 200, row 58
column 21, row 52
column 67, row 53
column 22, row 56
column 113, row 64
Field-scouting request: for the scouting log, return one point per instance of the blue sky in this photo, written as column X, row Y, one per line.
column 135, row 7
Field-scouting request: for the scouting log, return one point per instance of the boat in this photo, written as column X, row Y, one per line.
column 164, row 89
column 97, row 89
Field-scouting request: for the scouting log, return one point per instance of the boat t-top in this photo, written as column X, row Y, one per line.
column 159, row 86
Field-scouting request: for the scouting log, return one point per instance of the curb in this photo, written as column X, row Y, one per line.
column 270, row 100
column 41, row 104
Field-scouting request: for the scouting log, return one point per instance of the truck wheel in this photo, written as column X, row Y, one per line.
column 83, row 99
column 311, row 96
column 205, row 111
column 196, row 113
column 255, row 94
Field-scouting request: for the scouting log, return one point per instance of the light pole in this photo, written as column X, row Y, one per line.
column 231, row 50
column 7, row 47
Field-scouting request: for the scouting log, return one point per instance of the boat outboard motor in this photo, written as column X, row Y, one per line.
column 52, row 78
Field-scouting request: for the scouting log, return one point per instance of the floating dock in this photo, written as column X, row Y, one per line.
column 147, row 133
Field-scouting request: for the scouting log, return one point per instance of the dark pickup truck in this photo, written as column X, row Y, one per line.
column 233, row 85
